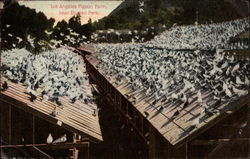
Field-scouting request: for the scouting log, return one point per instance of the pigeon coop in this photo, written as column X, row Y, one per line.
column 25, row 126
column 222, row 134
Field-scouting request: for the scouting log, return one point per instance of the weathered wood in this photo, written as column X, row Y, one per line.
column 9, row 124
column 50, row 146
column 33, row 129
column 218, row 141
column 43, row 153
column 177, row 130
column 49, row 118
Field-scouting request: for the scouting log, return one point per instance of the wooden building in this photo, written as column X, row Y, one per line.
column 25, row 126
column 223, row 134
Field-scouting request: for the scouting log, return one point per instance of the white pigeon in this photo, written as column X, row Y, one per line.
column 49, row 139
column 224, row 65
column 226, row 89
column 74, row 34
column 199, row 96
column 47, row 32
column 235, row 68
column 61, row 139
column 184, row 98
column 243, row 125
column 215, row 69
column 174, row 96
column 31, row 41
column 238, row 80
column 9, row 34
column 240, row 92
column 141, row 10
column 19, row 39
column 246, row 81
column 54, row 112
column 196, row 122
column 141, row 3
column 45, row 98
column 228, row 93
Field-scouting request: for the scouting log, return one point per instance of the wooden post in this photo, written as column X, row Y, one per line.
column 88, row 150
column 142, row 125
column 186, row 150
column 115, row 98
column 9, row 122
column 151, row 144
column 120, row 101
column 248, row 121
column 33, row 129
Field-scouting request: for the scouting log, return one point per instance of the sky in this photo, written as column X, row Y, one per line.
column 60, row 10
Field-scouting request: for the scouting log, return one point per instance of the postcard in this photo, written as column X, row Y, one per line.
column 124, row 79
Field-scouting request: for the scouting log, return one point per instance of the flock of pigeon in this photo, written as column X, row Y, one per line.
column 206, row 37
column 52, row 74
column 174, row 66
column 174, row 76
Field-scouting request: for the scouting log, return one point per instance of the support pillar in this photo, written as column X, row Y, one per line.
column 33, row 129
column 9, row 123
column 186, row 151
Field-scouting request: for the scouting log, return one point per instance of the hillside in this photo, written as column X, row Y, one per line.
column 154, row 13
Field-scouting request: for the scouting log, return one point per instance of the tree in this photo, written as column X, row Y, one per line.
column 75, row 23
column 21, row 21
column 88, row 29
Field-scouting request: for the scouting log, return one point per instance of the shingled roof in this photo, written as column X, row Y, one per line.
column 182, row 81
column 177, row 130
column 75, row 117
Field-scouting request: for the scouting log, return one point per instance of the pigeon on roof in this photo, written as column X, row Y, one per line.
column 54, row 112
column 5, row 86
column 196, row 122
column 163, row 70
column 55, row 73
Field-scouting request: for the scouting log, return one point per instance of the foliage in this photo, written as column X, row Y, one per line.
column 23, row 21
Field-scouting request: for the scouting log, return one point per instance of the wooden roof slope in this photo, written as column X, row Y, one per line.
column 243, row 35
column 179, row 130
column 75, row 117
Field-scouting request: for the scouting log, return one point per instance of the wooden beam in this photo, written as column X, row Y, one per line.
column 23, row 106
column 50, row 146
column 218, row 141
column 43, row 153
column 233, row 107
